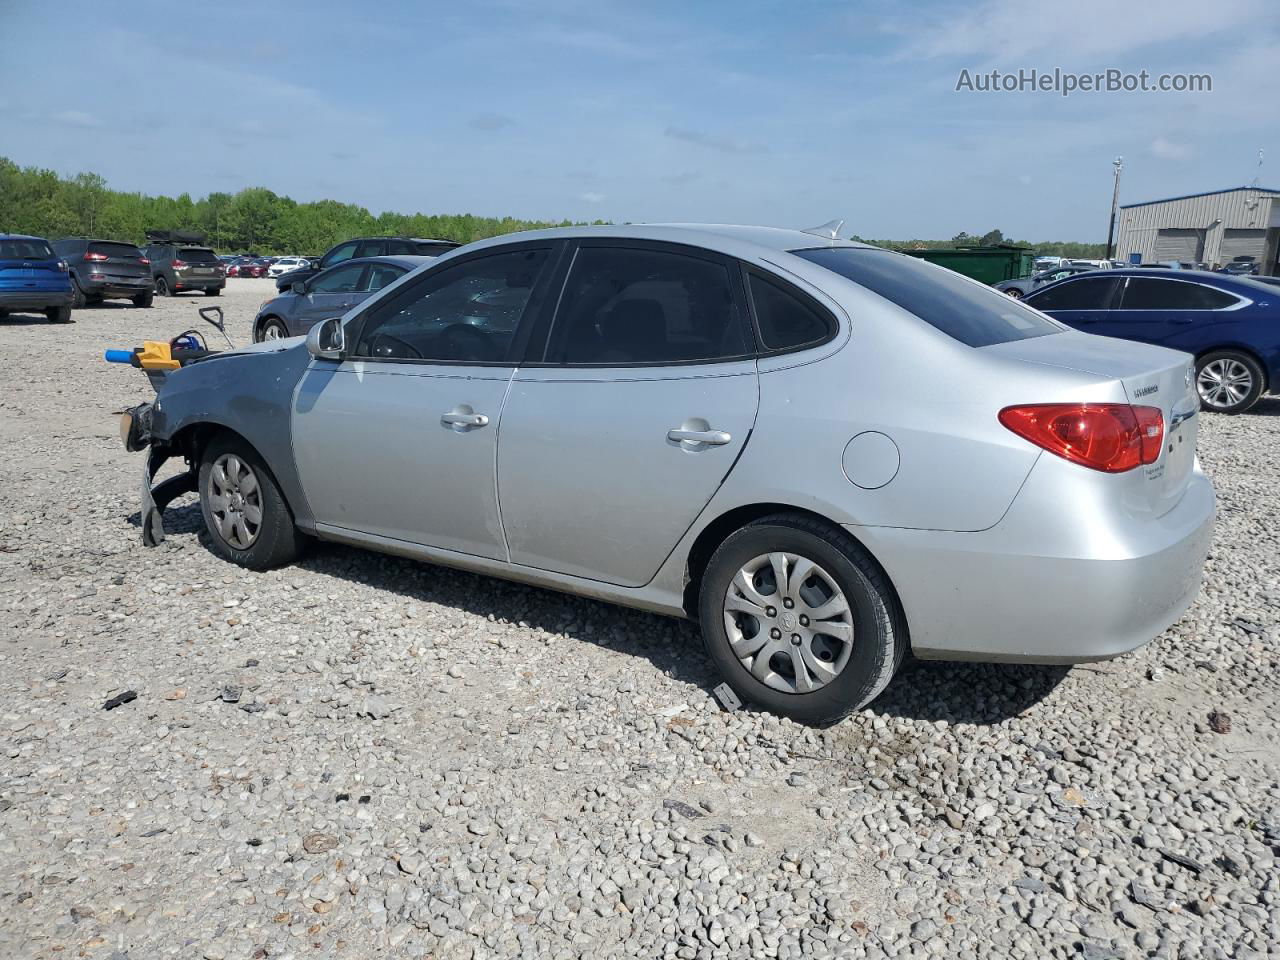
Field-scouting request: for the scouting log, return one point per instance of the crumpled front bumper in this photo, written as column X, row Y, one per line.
column 135, row 431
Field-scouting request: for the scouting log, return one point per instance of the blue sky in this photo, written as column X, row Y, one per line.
column 787, row 113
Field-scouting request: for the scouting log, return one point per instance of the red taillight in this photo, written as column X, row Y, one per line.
column 143, row 260
column 1112, row 437
column 179, row 264
column 95, row 256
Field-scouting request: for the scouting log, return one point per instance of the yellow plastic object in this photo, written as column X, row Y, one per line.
column 156, row 355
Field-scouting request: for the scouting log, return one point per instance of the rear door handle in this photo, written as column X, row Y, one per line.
column 1185, row 320
column 464, row 418
column 713, row 438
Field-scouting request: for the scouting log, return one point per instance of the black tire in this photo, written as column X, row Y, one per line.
column 162, row 287
column 1244, row 395
column 270, row 323
column 215, row 292
column 78, row 298
column 879, row 639
column 59, row 314
column 277, row 540
column 144, row 299
column 4, row 314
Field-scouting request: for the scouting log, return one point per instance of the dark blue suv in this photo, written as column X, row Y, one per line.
column 1230, row 324
column 33, row 277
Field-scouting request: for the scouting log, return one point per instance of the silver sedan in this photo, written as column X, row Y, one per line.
column 828, row 454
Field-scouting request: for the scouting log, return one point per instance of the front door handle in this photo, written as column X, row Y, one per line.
column 462, row 417
column 1184, row 320
column 713, row 438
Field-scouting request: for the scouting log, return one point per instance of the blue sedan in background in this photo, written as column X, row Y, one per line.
column 1231, row 324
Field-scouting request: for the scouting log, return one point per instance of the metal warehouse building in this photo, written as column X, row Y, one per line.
column 1209, row 227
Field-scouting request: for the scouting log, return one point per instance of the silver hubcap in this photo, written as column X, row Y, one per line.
column 788, row 622
column 235, row 501
column 271, row 332
column 1224, row 383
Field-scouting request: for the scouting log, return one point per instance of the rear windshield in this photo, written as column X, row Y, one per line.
column 115, row 250
column 966, row 311
column 198, row 255
column 23, row 249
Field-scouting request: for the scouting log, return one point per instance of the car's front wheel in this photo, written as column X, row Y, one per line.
column 272, row 329
column 213, row 292
column 248, row 520
column 799, row 619
column 1229, row 381
column 1015, row 293
column 144, row 299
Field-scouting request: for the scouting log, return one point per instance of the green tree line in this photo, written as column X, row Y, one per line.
column 42, row 203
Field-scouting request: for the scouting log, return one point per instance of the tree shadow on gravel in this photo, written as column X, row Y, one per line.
column 974, row 693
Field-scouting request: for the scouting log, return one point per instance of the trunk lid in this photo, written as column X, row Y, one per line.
column 1150, row 376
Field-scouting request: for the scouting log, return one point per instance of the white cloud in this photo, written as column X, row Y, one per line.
column 592, row 197
column 77, row 118
column 998, row 29
column 1168, row 149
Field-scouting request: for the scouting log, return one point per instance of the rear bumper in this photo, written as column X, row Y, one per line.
column 116, row 287
column 999, row 595
column 34, row 299
column 199, row 283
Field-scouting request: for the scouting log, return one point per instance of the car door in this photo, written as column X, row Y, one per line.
column 398, row 439
column 1164, row 310
column 329, row 294
column 1082, row 302
column 633, row 413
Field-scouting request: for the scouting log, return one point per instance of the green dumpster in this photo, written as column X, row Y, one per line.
column 989, row 264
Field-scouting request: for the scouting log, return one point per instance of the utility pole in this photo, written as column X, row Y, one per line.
column 1118, row 163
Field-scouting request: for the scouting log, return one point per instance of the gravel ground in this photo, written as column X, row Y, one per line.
column 361, row 756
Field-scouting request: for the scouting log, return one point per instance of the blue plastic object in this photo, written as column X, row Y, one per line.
column 118, row 356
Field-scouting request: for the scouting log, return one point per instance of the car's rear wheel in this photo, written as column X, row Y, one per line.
column 215, row 292
column 1229, row 381
column 59, row 314
column 144, row 299
column 799, row 619
column 272, row 328
column 248, row 520
column 162, row 287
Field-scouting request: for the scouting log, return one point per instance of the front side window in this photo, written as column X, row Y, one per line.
column 785, row 321
column 966, row 311
column 1087, row 293
column 344, row 251
column 1154, row 293
column 339, row 280
column 468, row 312
column 638, row 306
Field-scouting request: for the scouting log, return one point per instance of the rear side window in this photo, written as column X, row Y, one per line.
column 24, row 249
column 964, row 310
column 1154, row 293
column 1087, row 293
column 785, row 321
column 381, row 275
column 115, row 250
column 625, row 305
column 197, row 255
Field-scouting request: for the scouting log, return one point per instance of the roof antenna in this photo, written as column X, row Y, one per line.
column 1258, row 172
column 828, row 231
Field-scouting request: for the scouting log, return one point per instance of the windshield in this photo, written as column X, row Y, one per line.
column 969, row 312
column 21, row 248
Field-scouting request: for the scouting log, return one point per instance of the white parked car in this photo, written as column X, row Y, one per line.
column 286, row 265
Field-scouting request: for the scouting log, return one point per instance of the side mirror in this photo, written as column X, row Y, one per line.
column 299, row 287
column 326, row 340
